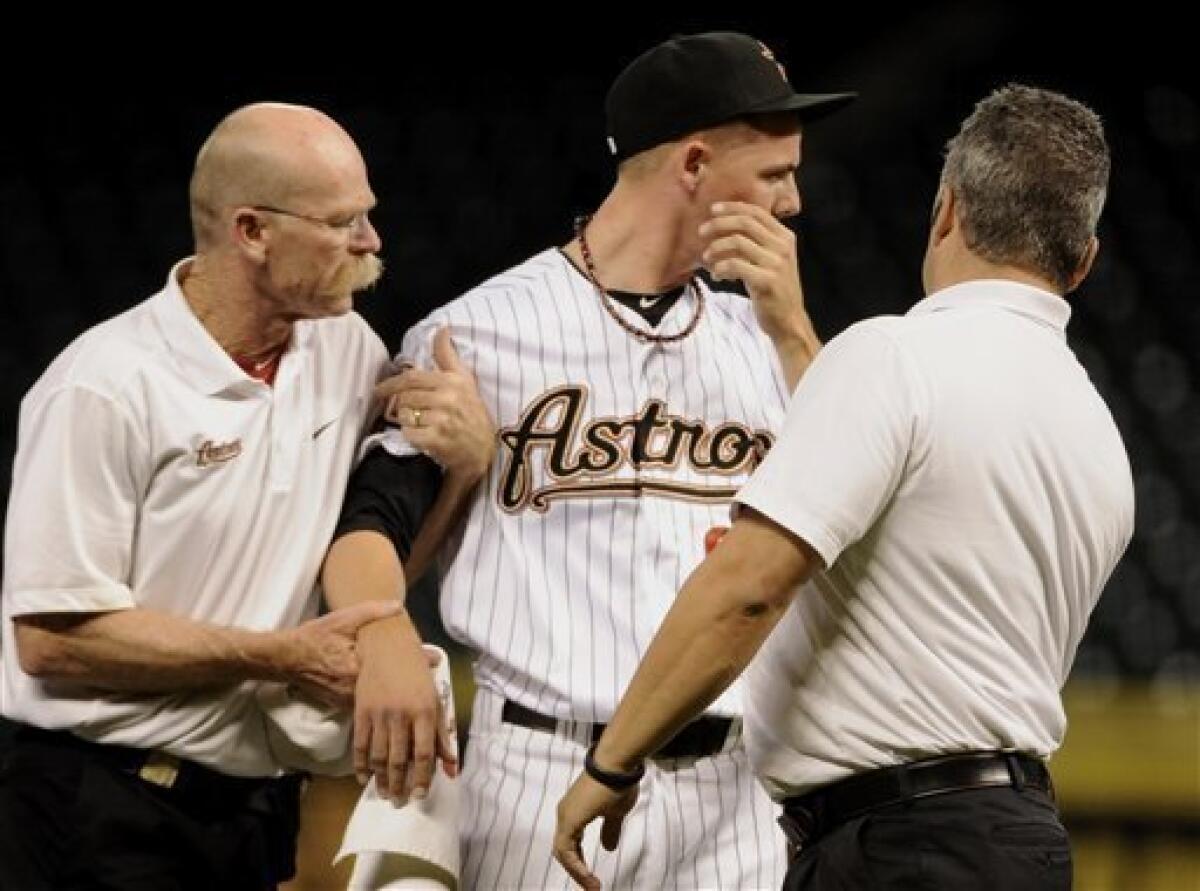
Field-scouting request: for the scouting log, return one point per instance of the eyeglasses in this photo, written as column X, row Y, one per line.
column 349, row 226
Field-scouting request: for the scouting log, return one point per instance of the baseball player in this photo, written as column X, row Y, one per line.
column 632, row 399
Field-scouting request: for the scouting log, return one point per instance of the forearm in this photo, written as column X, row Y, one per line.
column 721, row 617
column 145, row 651
column 363, row 565
column 693, row 659
column 796, row 350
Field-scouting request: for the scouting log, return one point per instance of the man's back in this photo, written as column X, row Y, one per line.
column 989, row 540
column 1016, row 422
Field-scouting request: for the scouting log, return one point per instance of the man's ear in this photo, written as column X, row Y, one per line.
column 693, row 159
column 944, row 217
column 1085, row 265
column 248, row 233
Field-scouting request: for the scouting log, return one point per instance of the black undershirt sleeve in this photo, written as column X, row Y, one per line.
column 390, row 495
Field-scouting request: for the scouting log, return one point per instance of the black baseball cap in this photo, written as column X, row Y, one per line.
column 701, row 80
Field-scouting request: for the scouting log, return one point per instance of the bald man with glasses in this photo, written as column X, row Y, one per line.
column 178, row 476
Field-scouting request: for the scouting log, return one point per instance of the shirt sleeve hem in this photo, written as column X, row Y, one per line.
column 103, row 598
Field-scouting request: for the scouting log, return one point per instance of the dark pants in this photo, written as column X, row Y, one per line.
column 998, row 839
column 73, row 818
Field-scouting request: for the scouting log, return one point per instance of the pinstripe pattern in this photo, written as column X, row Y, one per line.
column 692, row 828
column 561, row 597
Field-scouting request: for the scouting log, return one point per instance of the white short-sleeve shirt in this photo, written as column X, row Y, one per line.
column 969, row 491
column 152, row 472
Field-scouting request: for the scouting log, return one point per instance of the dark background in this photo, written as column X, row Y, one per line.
column 484, row 137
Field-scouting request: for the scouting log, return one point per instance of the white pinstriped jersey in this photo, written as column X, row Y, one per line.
column 615, row 458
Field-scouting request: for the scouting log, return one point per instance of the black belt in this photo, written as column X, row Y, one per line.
column 808, row 817
column 187, row 782
column 700, row 739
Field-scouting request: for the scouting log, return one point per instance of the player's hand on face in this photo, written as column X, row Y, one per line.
column 745, row 242
column 585, row 801
column 441, row 412
column 399, row 733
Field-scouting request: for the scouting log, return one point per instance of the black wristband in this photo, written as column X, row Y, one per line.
column 618, row 782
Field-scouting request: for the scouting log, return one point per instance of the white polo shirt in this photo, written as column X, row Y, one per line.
column 152, row 472
column 966, row 485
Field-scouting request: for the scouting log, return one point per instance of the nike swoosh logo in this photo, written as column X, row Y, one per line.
column 648, row 302
column 323, row 428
